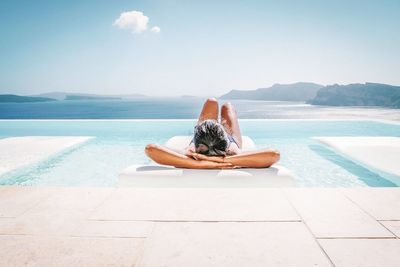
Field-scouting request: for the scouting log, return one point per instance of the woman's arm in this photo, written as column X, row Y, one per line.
column 165, row 156
column 254, row 159
column 251, row 159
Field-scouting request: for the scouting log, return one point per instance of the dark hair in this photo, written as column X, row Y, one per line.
column 210, row 138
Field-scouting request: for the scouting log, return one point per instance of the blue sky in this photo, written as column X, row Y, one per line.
column 203, row 47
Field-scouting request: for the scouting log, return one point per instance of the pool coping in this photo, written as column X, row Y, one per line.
column 35, row 149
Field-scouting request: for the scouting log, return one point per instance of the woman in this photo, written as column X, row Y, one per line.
column 214, row 145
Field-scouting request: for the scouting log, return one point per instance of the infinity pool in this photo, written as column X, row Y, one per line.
column 118, row 144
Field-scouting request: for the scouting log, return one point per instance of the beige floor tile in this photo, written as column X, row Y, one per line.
column 68, row 251
column 59, row 214
column 196, row 205
column 3, row 188
column 232, row 244
column 329, row 213
column 381, row 203
column 10, row 226
column 393, row 226
column 75, row 198
column 363, row 252
column 114, row 229
column 48, row 224
column 15, row 200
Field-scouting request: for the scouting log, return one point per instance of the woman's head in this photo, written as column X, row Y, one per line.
column 210, row 138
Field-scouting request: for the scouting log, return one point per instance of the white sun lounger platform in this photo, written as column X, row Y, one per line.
column 18, row 152
column 381, row 153
column 165, row 176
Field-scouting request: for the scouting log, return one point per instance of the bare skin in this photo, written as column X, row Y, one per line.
column 236, row 159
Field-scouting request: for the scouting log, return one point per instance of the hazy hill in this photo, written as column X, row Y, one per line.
column 23, row 99
column 368, row 94
column 300, row 91
column 79, row 96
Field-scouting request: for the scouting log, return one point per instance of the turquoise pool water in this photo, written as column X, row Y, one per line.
column 118, row 144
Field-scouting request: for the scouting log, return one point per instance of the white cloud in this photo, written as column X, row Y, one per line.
column 155, row 29
column 133, row 20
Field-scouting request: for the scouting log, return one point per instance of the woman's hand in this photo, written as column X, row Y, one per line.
column 206, row 164
column 189, row 151
column 199, row 156
column 210, row 162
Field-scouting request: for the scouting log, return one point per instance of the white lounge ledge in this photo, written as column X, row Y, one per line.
column 381, row 153
column 164, row 176
column 18, row 152
column 160, row 176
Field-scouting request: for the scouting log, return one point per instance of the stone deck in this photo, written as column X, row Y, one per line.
column 43, row 226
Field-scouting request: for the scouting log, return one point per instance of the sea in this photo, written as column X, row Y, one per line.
column 185, row 108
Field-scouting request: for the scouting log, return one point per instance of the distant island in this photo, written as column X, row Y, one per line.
column 368, row 94
column 189, row 96
column 59, row 96
column 80, row 96
column 23, row 99
column 301, row 91
column 85, row 97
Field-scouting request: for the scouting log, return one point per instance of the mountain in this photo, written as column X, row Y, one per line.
column 300, row 91
column 368, row 94
column 79, row 96
column 23, row 99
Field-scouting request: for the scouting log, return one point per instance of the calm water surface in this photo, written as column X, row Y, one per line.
column 182, row 108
